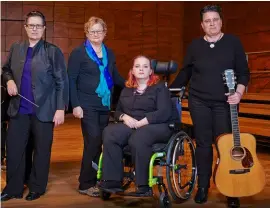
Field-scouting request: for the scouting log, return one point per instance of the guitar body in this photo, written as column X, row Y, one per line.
column 238, row 171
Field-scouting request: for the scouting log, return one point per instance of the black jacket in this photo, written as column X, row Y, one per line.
column 84, row 76
column 155, row 104
column 4, row 101
column 49, row 78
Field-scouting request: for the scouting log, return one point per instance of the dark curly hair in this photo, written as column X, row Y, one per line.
column 211, row 8
column 35, row 14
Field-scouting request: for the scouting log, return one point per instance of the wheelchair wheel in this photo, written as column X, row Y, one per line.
column 164, row 201
column 181, row 171
column 104, row 195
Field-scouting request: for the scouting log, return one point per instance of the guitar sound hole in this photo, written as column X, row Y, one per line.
column 238, row 153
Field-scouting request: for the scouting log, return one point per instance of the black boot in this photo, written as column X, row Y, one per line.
column 6, row 197
column 201, row 195
column 142, row 191
column 111, row 186
column 233, row 202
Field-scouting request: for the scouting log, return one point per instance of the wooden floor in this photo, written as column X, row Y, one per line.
column 63, row 180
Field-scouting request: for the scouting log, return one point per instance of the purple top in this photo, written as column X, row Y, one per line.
column 26, row 85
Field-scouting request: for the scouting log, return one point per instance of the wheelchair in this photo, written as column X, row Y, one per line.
column 177, row 156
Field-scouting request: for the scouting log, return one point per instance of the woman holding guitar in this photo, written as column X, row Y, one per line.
column 206, row 59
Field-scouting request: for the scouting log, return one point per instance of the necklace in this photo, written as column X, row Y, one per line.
column 212, row 44
column 140, row 91
column 98, row 50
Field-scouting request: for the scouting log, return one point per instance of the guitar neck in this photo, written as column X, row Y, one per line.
column 235, row 123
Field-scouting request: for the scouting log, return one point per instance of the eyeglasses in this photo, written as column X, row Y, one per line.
column 209, row 21
column 98, row 32
column 38, row 27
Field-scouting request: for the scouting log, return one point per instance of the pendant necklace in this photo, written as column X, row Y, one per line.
column 212, row 44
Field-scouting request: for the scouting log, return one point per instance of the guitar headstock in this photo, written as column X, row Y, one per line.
column 229, row 79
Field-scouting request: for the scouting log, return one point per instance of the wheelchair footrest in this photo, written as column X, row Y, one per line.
column 136, row 194
column 112, row 190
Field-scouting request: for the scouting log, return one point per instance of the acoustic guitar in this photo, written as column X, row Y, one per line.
column 238, row 171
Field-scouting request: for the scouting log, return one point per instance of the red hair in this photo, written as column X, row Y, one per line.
column 131, row 81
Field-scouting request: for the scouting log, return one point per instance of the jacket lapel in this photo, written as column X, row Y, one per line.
column 110, row 62
column 22, row 56
column 35, row 59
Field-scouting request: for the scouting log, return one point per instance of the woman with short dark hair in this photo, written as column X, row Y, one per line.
column 36, row 78
column 206, row 59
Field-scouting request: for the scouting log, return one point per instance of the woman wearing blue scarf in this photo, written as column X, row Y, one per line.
column 92, row 75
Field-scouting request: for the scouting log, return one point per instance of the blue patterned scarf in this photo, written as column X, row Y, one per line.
column 105, row 81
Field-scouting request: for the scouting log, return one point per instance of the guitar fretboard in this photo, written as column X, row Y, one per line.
column 235, row 123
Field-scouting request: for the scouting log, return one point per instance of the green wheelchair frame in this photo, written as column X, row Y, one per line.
column 152, row 180
column 166, row 158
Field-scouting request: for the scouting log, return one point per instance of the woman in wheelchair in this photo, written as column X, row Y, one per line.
column 143, row 113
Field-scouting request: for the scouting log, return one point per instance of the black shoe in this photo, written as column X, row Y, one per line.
column 201, row 195
column 233, row 202
column 6, row 197
column 142, row 191
column 111, row 186
column 33, row 196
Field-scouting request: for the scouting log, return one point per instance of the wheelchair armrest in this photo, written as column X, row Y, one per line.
column 175, row 126
column 179, row 91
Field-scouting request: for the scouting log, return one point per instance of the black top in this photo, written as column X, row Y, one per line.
column 84, row 78
column 155, row 104
column 204, row 66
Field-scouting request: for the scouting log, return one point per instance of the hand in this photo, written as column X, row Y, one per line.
column 12, row 88
column 78, row 112
column 129, row 121
column 141, row 123
column 59, row 117
column 235, row 98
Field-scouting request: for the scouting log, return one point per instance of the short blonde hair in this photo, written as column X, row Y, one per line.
column 92, row 21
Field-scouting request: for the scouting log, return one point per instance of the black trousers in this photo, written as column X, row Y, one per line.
column 117, row 136
column 28, row 153
column 19, row 130
column 210, row 120
column 92, row 124
column 28, row 159
column 3, row 139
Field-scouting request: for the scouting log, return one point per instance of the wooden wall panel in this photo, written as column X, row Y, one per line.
column 145, row 6
column 260, row 62
column 3, row 57
column 154, row 29
column 259, row 83
column 250, row 22
column 14, row 10
column 260, row 73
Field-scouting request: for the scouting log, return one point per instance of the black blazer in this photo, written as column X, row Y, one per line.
column 155, row 104
column 49, row 78
column 84, row 78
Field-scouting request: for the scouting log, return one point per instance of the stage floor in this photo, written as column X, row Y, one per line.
column 64, row 172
